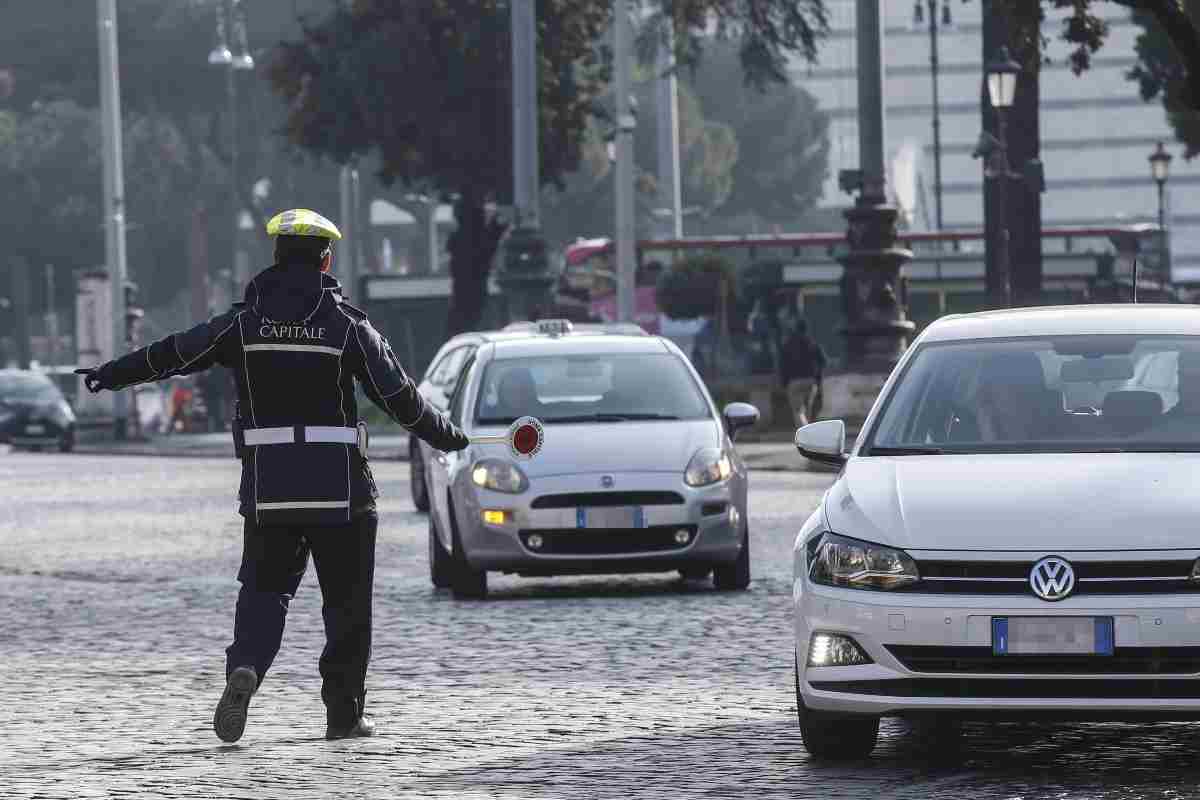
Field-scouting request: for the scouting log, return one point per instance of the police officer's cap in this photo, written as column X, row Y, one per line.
column 302, row 222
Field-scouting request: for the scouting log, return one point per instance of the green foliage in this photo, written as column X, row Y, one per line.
column 692, row 287
column 1161, row 73
column 1168, row 50
column 783, row 138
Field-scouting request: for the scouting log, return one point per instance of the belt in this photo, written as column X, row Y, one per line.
column 301, row 434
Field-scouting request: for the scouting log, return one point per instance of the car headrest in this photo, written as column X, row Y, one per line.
column 1009, row 369
column 1132, row 405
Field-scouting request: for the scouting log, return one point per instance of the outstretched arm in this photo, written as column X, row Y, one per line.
column 182, row 353
column 390, row 388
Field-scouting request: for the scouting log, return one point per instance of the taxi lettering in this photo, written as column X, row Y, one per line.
column 268, row 331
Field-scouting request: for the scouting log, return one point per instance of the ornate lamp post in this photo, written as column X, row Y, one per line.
column 1002, row 88
column 1160, row 166
column 222, row 56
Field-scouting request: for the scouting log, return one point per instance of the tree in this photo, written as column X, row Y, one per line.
column 783, row 141
column 426, row 86
column 176, row 128
column 1160, row 72
column 1168, row 50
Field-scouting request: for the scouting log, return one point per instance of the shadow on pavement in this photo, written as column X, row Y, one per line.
column 767, row 759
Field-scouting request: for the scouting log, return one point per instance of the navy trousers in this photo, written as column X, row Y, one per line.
column 274, row 559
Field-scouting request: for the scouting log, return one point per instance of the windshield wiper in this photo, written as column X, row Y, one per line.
column 608, row 418
column 907, row 451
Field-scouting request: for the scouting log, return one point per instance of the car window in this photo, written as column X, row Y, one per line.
column 433, row 368
column 447, row 368
column 28, row 386
column 458, row 400
column 453, row 365
column 590, row 388
column 1060, row 394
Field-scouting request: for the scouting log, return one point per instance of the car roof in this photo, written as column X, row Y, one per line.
column 577, row 344
column 28, row 373
column 1140, row 318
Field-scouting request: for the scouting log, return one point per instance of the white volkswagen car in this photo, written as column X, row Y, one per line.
column 988, row 550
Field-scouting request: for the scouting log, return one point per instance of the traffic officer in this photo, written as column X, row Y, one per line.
column 295, row 348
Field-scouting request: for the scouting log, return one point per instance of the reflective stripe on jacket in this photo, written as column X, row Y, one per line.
column 295, row 348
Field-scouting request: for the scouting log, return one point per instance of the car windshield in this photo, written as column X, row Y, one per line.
column 1062, row 394
column 590, row 388
column 26, row 387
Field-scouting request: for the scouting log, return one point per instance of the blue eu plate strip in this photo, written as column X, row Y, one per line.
column 999, row 636
column 581, row 518
column 1104, row 636
column 639, row 518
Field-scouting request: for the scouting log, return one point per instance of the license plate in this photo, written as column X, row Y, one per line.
column 35, row 430
column 614, row 517
column 1052, row 636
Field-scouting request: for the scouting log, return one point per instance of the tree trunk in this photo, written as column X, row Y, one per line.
column 1022, row 212
column 198, row 263
column 22, row 333
column 472, row 247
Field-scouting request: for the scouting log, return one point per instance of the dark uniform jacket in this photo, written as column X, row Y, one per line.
column 295, row 348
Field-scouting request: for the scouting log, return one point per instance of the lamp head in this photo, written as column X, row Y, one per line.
column 1002, row 79
column 1160, row 163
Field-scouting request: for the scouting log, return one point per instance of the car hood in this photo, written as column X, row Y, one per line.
column 611, row 447
column 1076, row 501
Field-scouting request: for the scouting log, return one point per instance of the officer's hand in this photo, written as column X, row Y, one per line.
column 459, row 441
column 97, row 378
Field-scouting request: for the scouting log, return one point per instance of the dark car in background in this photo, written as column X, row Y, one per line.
column 33, row 412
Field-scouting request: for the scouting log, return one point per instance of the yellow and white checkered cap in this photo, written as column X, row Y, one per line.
column 302, row 222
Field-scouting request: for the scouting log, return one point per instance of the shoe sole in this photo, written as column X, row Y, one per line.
column 229, row 721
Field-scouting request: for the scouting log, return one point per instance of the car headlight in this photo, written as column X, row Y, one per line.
column 499, row 476
column 60, row 413
column 709, row 465
column 838, row 561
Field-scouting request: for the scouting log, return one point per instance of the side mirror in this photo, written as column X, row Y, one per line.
column 823, row 441
column 738, row 416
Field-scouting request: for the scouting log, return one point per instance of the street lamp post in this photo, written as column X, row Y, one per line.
column 918, row 18
column 1002, row 87
column 1160, row 166
column 222, row 56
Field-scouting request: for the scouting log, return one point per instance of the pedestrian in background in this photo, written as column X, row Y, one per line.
column 295, row 348
column 801, row 368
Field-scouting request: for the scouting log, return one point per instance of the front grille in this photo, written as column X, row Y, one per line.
column 1128, row 660
column 594, row 499
column 1106, row 689
column 1091, row 577
column 610, row 541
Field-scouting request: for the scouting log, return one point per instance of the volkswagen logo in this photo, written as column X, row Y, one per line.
column 1052, row 578
column 606, row 481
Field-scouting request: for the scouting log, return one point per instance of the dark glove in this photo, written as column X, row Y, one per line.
column 459, row 441
column 97, row 378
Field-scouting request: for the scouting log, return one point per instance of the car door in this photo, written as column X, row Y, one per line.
column 442, row 465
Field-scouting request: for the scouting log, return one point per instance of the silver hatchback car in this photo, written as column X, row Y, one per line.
column 637, row 473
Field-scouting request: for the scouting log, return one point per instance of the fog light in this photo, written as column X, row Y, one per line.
column 835, row 650
column 492, row 517
column 683, row 536
column 535, row 541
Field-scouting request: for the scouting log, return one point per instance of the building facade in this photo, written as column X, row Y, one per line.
column 1096, row 131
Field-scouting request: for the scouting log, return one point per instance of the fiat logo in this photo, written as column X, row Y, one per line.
column 606, row 481
column 1052, row 578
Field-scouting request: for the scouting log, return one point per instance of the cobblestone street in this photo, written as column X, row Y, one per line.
column 117, row 584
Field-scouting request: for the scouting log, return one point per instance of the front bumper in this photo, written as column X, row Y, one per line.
column 715, row 535
column 34, row 433
column 933, row 653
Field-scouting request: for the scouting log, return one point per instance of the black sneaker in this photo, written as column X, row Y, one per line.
column 229, row 721
column 363, row 726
